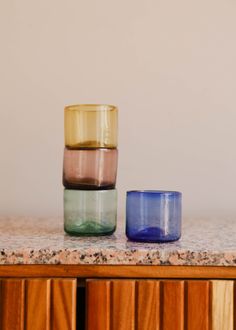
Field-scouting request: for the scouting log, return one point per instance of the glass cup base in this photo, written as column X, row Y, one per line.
column 90, row 229
column 86, row 186
column 151, row 235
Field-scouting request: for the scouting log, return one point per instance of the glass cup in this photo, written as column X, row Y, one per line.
column 90, row 168
column 91, row 126
column 90, row 212
column 153, row 215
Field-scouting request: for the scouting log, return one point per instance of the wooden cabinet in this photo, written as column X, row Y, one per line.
column 38, row 304
column 160, row 305
column 117, row 298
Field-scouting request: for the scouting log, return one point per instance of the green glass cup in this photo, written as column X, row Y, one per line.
column 90, row 212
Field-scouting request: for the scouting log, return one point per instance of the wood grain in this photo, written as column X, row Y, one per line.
column 37, row 304
column 148, row 305
column 98, row 305
column 173, row 305
column 117, row 271
column 123, row 305
column 198, row 305
column 12, row 304
column 63, row 304
column 222, row 305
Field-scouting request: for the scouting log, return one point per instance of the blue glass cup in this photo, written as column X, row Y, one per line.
column 153, row 215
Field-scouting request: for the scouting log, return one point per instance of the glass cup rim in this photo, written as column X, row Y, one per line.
column 90, row 107
column 155, row 192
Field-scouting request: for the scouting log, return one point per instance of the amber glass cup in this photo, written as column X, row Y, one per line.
column 91, row 126
column 90, row 169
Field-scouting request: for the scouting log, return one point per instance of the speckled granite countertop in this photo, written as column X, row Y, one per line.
column 42, row 241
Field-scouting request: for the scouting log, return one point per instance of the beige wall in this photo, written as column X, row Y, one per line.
column 170, row 67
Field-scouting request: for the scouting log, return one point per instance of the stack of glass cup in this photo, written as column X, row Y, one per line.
column 89, row 169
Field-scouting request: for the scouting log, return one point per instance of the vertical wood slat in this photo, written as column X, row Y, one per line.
column 148, row 305
column 110, row 305
column 63, row 304
column 198, row 305
column 37, row 304
column 98, row 305
column 223, row 305
column 12, row 304
column 123, row 305
column 173, row 305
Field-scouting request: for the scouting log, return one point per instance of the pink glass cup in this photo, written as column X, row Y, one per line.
column 90, row 168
